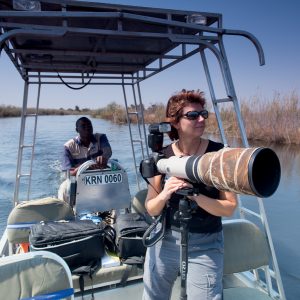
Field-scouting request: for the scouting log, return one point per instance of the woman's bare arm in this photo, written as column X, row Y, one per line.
column 224, row 206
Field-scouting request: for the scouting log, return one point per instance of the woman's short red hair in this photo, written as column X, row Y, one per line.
column 175, row 105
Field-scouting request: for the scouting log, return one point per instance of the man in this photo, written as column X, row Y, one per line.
column 87, row 145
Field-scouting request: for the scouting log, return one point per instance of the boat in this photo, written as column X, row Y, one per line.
column 80, row 43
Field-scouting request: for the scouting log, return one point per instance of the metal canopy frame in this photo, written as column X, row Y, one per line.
column 77, row 43
column 79, row 40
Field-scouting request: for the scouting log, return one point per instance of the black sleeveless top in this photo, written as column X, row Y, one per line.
column 201, row 221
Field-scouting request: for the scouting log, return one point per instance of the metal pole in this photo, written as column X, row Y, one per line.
column 130, row 134
column 143, row 120
column 34, row 137
column 213, row 96
column 21, row 142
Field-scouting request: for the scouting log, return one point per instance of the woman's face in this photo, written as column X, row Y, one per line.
column 85, row 129
column 191, row 128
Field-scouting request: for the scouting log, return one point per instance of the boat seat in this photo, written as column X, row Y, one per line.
column 138, row 202
column 138, row 205
column 245, row 248
column 35, row 275
column 27, row 213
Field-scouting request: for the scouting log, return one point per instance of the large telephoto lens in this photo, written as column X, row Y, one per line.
column 252, row 171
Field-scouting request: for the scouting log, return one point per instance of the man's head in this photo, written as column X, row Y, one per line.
column 84, row 127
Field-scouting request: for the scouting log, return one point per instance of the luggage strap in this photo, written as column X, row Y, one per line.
column 86, row 270
column 131, row 262
column 125, row 275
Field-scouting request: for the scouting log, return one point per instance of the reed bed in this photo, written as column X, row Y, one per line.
column 276, row 120
column 117, row 113
column 113, row 112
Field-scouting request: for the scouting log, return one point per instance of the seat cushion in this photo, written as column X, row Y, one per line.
column 36, row 275
column 138, row 202
column 245, row 246
column 138, row 205
column 27, row 213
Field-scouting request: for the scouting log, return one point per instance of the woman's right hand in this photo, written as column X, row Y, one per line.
column 172, row 185
column 157, row 198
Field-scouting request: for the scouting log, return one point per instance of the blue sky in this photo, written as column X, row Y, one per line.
column 276, row 24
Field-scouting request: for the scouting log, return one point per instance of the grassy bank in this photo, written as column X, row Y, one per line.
column 7, row 111
column 276, row 120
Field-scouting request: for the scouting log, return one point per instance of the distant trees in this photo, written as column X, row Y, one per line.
column 13, row 111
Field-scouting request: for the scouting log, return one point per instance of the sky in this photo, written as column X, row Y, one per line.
column 275, row 24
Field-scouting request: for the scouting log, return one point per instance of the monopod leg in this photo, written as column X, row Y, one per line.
column 184, row 215
column 183, row 259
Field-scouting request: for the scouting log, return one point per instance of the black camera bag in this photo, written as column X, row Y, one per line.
column 130, row 228
column 80, row 242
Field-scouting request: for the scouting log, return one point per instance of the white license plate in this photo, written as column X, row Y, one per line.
column 102, row 179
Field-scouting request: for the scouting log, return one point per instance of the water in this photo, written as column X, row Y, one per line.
column 282, row 208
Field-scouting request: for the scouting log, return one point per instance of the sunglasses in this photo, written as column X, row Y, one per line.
column 194, row 115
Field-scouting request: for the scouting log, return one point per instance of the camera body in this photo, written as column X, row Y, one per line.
column 148, row 166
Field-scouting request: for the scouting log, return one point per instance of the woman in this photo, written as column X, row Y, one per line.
column 185, row 111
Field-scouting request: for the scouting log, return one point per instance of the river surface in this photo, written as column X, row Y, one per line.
column 282, row 209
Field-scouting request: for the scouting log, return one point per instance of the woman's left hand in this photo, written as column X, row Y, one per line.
column 224, row 206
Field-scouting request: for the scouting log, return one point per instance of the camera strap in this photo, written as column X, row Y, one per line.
column 141, row 172
column 147, row 241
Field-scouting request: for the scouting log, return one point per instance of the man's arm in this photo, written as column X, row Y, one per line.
column 105, row 147
column 68, row 162
column 105, row 150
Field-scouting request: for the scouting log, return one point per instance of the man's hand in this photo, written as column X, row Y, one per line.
column 73, row 171
column 101, row 162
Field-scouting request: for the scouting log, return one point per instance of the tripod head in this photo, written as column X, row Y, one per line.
column 184, row 208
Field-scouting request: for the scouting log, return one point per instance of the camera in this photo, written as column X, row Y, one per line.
column 250, row 171
column 156, row 135
column 148, row 166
